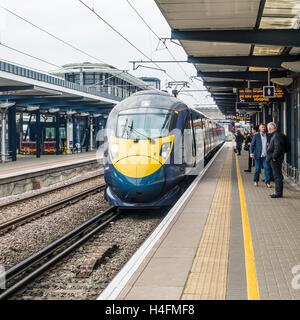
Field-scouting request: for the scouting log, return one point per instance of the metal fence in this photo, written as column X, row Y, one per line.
column 20, row 71
column 291, row 172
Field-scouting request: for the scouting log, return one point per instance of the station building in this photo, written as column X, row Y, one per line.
column 103, row 78
column 60, row 112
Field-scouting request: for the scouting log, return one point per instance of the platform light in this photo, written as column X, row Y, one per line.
column 6, row 105
column 84, row 114
column 292, row 66
column 71, row 112
column 97, row 115
column 21, row 109
column 283, row 81
column 33, row 108
column 54, row 110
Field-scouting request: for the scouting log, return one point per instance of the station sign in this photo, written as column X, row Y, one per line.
column 230, row 117
column 243, row 116
column 247, row 107
column 257, row 95
column 269, row 91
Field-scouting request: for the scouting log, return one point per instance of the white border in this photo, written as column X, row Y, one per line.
column 115, row 287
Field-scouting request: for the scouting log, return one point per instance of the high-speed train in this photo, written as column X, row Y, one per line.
column 153, row 141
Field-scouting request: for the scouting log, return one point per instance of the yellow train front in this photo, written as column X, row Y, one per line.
column 152, row 140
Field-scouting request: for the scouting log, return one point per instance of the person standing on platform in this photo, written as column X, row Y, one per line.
column 247, row 147
column 239, row 141
column 258, row 151
column 279, row 144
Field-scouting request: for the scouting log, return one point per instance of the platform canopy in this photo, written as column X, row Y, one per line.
column 234, row 42
column 31, row 89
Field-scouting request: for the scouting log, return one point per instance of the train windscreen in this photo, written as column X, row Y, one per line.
column 143, row 123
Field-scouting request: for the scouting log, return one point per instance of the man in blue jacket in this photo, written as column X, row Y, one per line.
column 258, row 151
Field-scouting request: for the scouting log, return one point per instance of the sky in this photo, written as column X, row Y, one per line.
column 71, row 21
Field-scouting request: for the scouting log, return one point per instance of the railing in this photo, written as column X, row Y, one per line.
column 291, row 172
column 23, row 72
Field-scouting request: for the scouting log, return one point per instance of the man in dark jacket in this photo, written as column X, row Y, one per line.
column 258, row 151
column 239, row 141
column 275, row 156
column 248, row 144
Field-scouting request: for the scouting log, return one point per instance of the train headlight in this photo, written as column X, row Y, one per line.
column 165, row 150
column 114, row 149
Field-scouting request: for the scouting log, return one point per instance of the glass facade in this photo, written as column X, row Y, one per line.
column 103, row 82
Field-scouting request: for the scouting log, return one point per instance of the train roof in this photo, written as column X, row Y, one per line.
column 152, row 92
column 154, row 98
column 158, row 98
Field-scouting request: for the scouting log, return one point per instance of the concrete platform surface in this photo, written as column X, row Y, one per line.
column 230, row 241
column 32, row 164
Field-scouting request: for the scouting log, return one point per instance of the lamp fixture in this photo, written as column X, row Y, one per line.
column 292, row 66
column 7, row 104
column 54, row 110
column 33, row 108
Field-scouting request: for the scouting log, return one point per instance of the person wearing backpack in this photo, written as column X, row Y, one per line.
column 278, row 146
column 247, row 147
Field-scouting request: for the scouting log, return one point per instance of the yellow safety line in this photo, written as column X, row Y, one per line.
column 252, row 285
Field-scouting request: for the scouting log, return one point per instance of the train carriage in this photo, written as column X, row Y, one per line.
column 153, row 141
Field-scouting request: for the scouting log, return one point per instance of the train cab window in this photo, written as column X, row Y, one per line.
column 144, row 123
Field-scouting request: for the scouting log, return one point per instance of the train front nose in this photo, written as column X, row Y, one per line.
column 138, row 178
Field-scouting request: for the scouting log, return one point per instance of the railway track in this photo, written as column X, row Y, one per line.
column 26, row 271
column 12, row 223
column 34, row 196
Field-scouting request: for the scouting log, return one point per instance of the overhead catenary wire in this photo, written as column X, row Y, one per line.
column 23, row 65
column 52, row 35
column 30, row 55
column 122, row 36
column 159, row 39
column 157, row 36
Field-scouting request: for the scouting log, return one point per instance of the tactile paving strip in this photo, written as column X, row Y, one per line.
column 208, row 276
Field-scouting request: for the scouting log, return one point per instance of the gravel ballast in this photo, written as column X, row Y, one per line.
column 60, row 282
column 20, row 243
column 11, row 210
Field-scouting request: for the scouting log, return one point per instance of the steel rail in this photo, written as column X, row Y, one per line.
column 51, row 207
column 30, row 197
column 110, row 214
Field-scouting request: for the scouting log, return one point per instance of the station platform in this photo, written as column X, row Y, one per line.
column 30, row 173
column 229, row 240
column 33, row 164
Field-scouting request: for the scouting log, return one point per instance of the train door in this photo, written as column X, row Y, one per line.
column 189, row 148
column 198, row 131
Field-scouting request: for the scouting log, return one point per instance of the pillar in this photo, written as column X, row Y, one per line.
column 91, row 134
column 38, row 133
column 12, row 133
column 289, row 124
column 97, row 130
column 87, row 133
column 3, row 137
column 69, row 130
column 57, row 138
column 21, row 131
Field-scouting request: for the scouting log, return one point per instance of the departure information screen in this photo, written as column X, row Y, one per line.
column 257, row 95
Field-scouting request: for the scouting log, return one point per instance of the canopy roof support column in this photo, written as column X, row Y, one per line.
column 57, row 138
column 38, row 133
column 3, row 137
column 12, row 133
